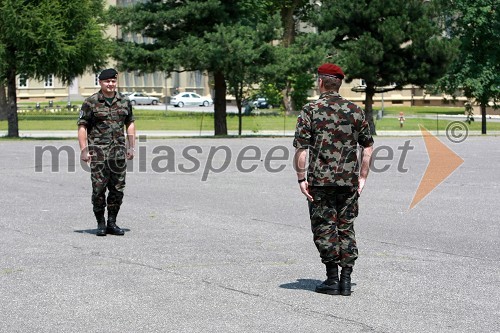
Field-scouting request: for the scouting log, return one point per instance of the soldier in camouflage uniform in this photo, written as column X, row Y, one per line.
column 103, row 117
column 331, row 130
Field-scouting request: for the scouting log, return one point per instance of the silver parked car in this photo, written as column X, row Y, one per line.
column 190, row 98
column 137, row 98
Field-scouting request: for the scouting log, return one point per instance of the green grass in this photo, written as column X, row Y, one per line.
column 178, row 121
column 412, row 124
column 419, row 110
column 157, row 120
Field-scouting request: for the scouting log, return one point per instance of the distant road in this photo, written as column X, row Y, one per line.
column 163, row 107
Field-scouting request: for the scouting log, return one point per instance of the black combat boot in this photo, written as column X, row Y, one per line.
column 112, row 228
column 331, row 285
column 101, row 223
column 345, row 281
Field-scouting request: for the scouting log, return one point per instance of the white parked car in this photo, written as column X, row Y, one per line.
column 190, row 98
column 141, row 98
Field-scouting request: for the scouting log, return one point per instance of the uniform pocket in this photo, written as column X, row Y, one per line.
column 351, row 205
column 101, row 113
column 316, row 193
column 120, row 114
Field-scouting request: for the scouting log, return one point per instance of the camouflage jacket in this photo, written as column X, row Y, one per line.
column 105, row 125
column 332, row 128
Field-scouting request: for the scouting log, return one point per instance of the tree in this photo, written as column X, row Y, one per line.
column 476, row 72
column 48, row 37
column 245, row 51
column 3, row 103
column 298, row 53
column 193, row 35
column 237, row 51
column 386, row 42
column 295, row 64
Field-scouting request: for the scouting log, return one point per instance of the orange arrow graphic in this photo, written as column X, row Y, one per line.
column 442, row 162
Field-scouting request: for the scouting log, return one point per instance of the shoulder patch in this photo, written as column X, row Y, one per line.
column 81, row 113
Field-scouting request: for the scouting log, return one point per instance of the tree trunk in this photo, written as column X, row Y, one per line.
column 369, row 93
column 220, row 115
column 289, row 32
column 240, row 116
column 239, row 103
column 287, row 98
column 483, row 118
column 288, row 22
column 12, row 104
column 3, row 103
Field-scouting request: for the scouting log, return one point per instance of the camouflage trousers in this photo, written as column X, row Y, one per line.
column 332, row 213
column 110, row 175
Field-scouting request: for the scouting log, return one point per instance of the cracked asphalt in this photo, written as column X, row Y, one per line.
column 218, row 240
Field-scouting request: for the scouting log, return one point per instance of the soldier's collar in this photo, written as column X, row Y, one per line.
column 101, row 97
column 330, row 92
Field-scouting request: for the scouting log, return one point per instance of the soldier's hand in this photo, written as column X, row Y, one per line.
column 130, row 153
column 361, row 185
column 85, row 155
column 304, row 188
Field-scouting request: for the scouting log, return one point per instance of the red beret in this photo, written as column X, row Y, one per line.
column 331, row 69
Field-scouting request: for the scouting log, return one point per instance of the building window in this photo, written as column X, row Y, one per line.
column 148, row 79
column 158, row 79
column 96, row 80
column 49, row 81
column 23, row 81
column 198, row 76
column 362, row 83
column 195, row 79
column 397, row 101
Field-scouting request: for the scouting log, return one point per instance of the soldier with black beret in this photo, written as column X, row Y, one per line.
column 104, row 117
column 330, row 130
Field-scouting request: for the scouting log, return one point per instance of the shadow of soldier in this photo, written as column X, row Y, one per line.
column 94, row 231
column 304, row 284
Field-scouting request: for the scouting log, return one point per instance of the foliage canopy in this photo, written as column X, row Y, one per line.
column 476, row 23
column 228, row 39
column 386, row 42
column 38, row 38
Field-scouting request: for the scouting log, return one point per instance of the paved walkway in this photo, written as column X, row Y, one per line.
column 234, row 252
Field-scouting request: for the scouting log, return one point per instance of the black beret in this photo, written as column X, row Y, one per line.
column 109, row 73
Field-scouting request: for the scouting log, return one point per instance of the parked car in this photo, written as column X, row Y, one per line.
column 262, row 103
column 190, row 98
column 141, row 98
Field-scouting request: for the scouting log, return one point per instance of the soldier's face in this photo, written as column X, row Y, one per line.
column 108, row 86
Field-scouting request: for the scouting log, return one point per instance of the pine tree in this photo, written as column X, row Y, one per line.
column 221, row 37
column 387, row 42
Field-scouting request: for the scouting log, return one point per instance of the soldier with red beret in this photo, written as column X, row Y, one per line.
column 331, row 130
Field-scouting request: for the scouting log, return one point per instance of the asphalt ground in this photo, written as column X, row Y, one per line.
column 231, row 250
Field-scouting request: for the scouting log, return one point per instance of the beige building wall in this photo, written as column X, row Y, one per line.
column 408, row 96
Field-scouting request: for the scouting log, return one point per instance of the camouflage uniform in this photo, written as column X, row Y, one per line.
column 332, row 128
column 106, row 142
